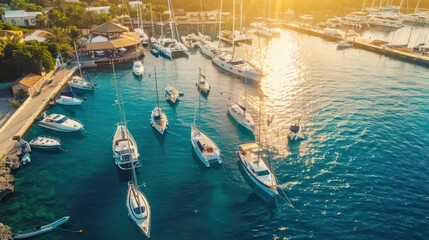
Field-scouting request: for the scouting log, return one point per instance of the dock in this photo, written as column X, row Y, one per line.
column 373, row 45
column 23, row 118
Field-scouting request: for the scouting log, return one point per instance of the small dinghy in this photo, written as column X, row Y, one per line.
column 40, row 229
column 154, row 52
column 45, row 142
column 294, row 131
column 26, row 158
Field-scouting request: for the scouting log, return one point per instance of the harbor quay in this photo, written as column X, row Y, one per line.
column 373, row 45
column 19, row 123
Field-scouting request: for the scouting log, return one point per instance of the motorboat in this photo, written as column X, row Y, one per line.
column 154, row 52
column 240, row 115
column 125, row 151
column 45, row 142
column 60, row 123
column 256, row 172
column 202, row 84
column 355, row 19
column 138, row 68
column 138, row 208
column 237, row 66
column 80, row 83
column 294, row 132
column 171, row 93
column 306, row 17
column 344, row 44
column 68, row 101
column 40, row 229
column 384, row 21
column 206, row 150
column 263, row 30
column 159, row 120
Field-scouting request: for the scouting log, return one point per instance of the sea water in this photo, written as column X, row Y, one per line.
column 360, row 170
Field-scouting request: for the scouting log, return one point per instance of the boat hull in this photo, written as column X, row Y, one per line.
column 142, row 222
column 43, row 229
column 59, row 128
column 267, row 194
column 239, row 119
column 207, row 161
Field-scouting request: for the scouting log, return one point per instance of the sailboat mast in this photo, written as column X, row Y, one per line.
column 199, row 100
column 151, row 21
column 171, row 19
column 363, row 5
column 77, row 58
column 241, row 14
column 417, row 7
column 157, row 97
column 245, row 95
column 233, row 27
column 220, row 22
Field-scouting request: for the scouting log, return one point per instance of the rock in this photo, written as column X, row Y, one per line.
column 5, row 232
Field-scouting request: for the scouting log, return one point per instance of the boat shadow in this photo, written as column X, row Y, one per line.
column 160, row 137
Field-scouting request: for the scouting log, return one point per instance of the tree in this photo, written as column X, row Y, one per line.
column 58, row 18
column 58, row 35
column 41, row 21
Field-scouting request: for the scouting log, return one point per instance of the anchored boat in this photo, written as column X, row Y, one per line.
column 41, row 229
column 45, row 142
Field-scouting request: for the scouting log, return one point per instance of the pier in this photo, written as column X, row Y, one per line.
column 19, row 123
column 373, row 45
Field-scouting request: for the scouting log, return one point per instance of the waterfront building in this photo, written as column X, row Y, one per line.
column 30, row 84
column 202, row 16
column 112, row 40
column 20, row 18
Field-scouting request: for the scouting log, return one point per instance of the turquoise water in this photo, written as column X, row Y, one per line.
column 361, row 171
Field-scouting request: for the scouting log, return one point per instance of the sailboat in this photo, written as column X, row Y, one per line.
column 202, row 84
column 138, row 205
column 124, row 147
column 144, row 39
column 235, row 36
column 138, row 68
column 234, row 64
column 68, row 99
column 158, row 119
column 205, row 148
column 171, row 92
column 170, row 47
column 79, row 82
column 255, row 170
column 240, row 113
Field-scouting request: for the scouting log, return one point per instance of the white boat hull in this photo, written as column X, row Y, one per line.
column 206, row 157
column 139, row 208
column 241, row 117
column 161, row 123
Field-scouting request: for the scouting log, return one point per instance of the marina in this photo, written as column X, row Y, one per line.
column 330, row 142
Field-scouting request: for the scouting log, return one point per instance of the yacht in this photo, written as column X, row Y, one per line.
column 355, row 19
column 81, row 84
column 138, row 207
column 256, row 172
column 306, row 17
column 171, row 93
column 159, row 120
column 60, row 123
column 263, row 30
column 45, row 142
column 124, row 147
column 69, row 101
column 236, row 65
column 144, row 38
column 206, row 150
column 138, row 68
column 384, row 21
column 240, row 115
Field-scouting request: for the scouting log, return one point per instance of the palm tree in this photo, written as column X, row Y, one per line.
column 58, row 35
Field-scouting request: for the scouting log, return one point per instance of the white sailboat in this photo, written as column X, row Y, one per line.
column 144, row 39
column 202, row 84
column 124, row 146
column 158, row 119
column 138, row 68
column 79, row 82
column 138, row 205
column 234, row 64
column 240, row 113
column 171, row 93
column 205, row 148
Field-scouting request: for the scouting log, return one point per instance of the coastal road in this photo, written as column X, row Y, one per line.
column 23, row 118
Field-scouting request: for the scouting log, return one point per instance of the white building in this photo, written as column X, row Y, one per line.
column 203, row 16
column 20, row 18
column 134, row 4
column 98, row 10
